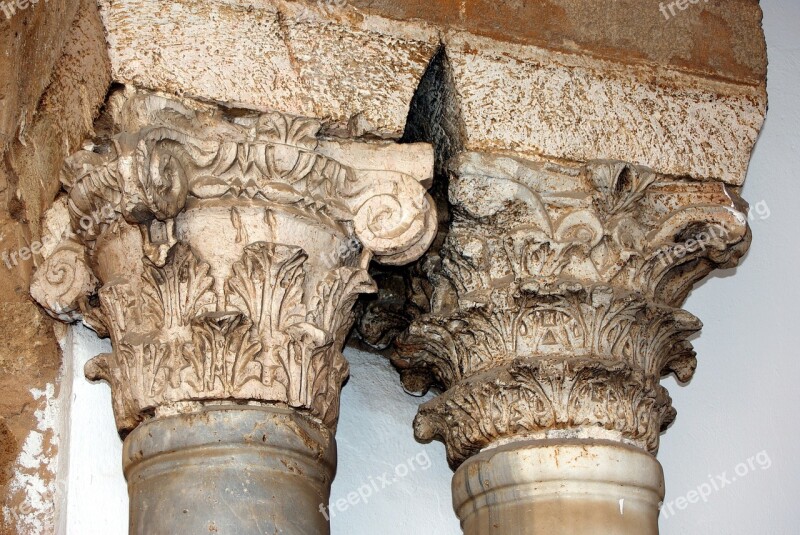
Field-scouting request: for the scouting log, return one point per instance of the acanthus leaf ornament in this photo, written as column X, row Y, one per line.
column 230, row 256
column 555, row 309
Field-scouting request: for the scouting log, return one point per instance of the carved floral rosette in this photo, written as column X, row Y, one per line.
column 556, row 302
column 228, row 266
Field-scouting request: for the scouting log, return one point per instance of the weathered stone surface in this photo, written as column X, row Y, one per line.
column 560, row 327
column 572, row 90
column 555, row 309
column 537, row 102
column 717, row 38
column 53, row 79
column 562, row 79
column 223, row 253
column 29, row 369
column 301, row 58
column 64, row 116
column 31, row 41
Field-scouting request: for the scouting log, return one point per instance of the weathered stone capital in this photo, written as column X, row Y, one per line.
column 222, row 252
column 556, row 304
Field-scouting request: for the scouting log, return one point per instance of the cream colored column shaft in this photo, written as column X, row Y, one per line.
column 559, row 487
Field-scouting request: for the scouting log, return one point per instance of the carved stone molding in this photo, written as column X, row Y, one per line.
column 222, row 252
column 556, row 303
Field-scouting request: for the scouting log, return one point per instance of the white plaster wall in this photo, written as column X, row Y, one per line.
column 375, row 439
column 745, row 396
column 739, row 410
column 97, row 497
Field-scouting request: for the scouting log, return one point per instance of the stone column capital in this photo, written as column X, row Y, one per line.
column 556, row 307
column 222, row 251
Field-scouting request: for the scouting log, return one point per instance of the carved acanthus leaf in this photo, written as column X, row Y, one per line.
column 267, row 285
column 173, row 295
column 225, row 355
column 335, row 298
column 565, row 319
column 172, row 345
column 226, row 251
column 556, row 298
column 542, row 398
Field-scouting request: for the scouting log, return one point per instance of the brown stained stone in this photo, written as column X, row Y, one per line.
column 54, row 78
column 31, row 42
column 29, row 360
column 719, row 38
column 64, row 115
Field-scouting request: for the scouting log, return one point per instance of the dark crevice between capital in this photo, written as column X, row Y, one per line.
column 405, row 292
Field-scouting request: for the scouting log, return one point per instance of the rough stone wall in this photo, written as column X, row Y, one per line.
column 53, row 78
column 558, row 79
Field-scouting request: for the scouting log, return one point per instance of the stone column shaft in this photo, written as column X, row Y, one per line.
column 229, row 470
column 559, row 487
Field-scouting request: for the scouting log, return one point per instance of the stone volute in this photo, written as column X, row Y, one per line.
column 222, row 252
